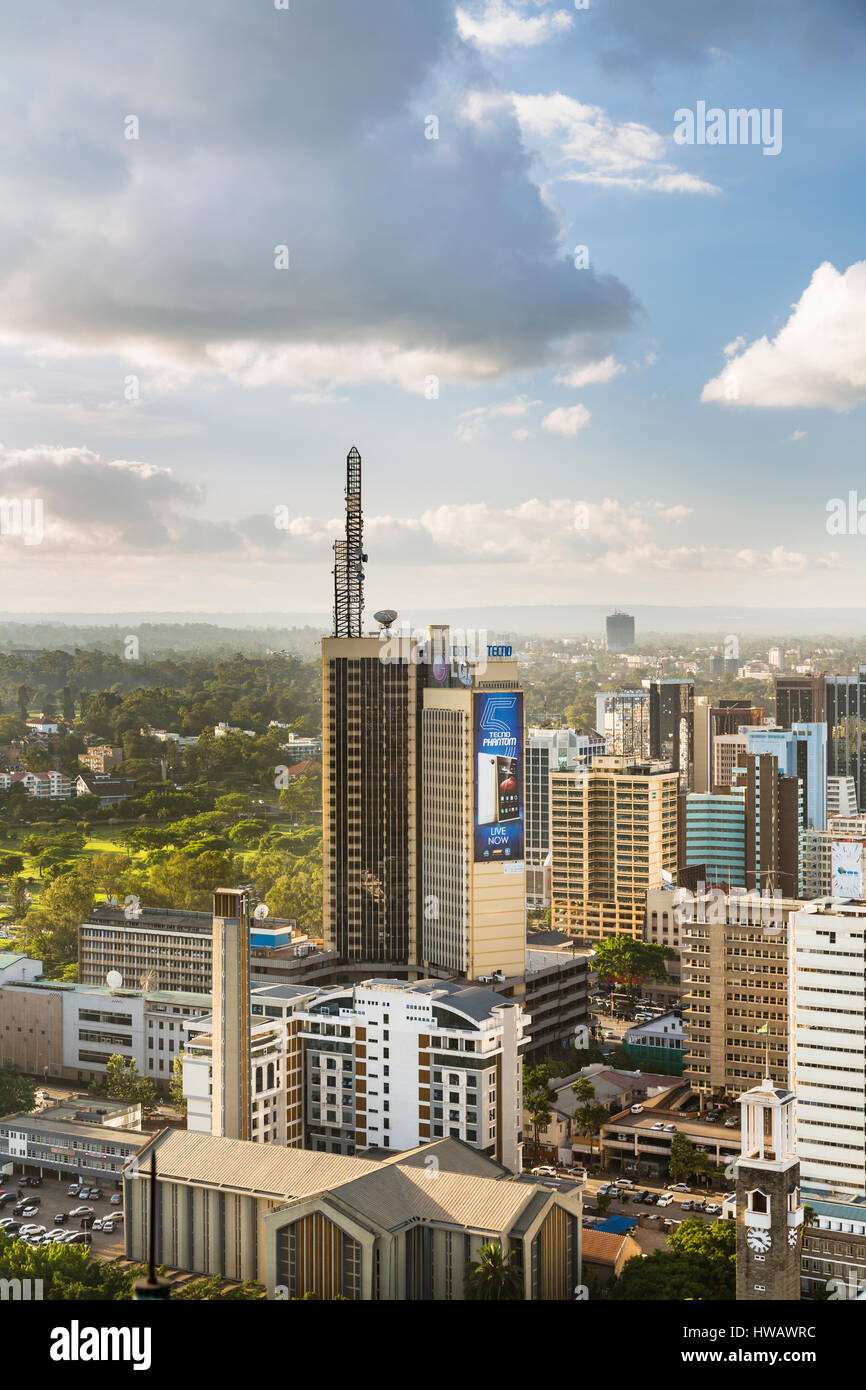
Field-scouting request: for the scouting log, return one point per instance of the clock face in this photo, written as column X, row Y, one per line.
column 794, row 1236
column 758, row 1240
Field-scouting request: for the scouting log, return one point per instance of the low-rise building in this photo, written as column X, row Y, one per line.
column 112, row 791
column 659, row 1043
column 81, row 1137
column 605, row 1255
column 100, row 757
column 833, row 1258
column 641, row 1143
column 334, row 1224
column 45, row 786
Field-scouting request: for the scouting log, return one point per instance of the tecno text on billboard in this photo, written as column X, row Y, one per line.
column 498, row 776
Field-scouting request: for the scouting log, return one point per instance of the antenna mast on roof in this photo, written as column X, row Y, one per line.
column 349, row 557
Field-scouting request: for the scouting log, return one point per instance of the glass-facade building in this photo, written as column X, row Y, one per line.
column 845, row 702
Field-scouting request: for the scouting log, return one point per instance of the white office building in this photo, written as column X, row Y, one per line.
column 827, row 1047
column 548, row 751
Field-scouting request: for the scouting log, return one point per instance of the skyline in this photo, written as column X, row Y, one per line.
column 152, row 356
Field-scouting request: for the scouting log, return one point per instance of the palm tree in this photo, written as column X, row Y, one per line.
column 493, row 1276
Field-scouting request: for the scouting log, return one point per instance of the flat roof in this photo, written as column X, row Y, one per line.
column 648, row 1118
column 77, row 1129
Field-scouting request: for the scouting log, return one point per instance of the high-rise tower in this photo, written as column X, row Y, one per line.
column 230, row 1114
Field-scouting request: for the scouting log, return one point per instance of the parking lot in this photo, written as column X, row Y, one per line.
column 53, row 1200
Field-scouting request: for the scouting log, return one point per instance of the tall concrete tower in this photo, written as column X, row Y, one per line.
column 769, row 1212
column 231, row 1013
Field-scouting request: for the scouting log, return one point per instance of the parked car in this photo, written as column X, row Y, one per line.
column 699, row 1206
column 60, row 1217
column 624, row 1182
column 7, row 1198
column 94, row 1195
column 84, row 1192
column 76, row 1238
column 7, row 1221
column 33, row 1182
column 658, row 1125
column 613, row 1192
column 13, row 1229
column 731, row 1122
column 31, row 1229
column 680, row 1187
column 713, row 1209
column 636, row 1109
column 73, row 1189
column 650, row 1198
column 668, row 1128
column 665, row 1200
column 108, row 1224
column 31, row 1210
column 545, row 1170
column 116, row 1199
column 687, row 1206
column 603, row 1190
column 97, row 1224
column 81, row 1211
column 711, row 1116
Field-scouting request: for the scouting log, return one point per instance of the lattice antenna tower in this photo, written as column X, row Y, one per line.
column 349, row 557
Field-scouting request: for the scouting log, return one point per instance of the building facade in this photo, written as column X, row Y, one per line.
column 672, row 727
column 614, row 835
column 622, row 717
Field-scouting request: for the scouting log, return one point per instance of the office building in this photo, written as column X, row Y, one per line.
column 622, row 717
column 672, row 727
column 620, row 632
column 614, row 837
column 230, row 1114
column 800, row 751
column 832, row 860
column 718, row 739
column 734, row 959
column 370, row 793
column 833, row 1259
column 548, row 750
column 799, row 700
column 845, row 703
column 841, row 796
column 658, row 1045
column 827, row 964
column 774, row 817
column 471, row 815
column 74, row 1138
column 361, row 1228
column 715, row 837
column 172, row 949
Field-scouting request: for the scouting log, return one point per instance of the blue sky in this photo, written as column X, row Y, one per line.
column 164, row 388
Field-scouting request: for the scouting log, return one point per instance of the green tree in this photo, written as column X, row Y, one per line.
column 17, row 1092
column 683, row 1161
column 210, row 1288
column 123, row 1082
column 11, row 863
column 19, row 900
column 536, row 1097
column 588, row 1115
column 623, row 961
column 493, row 1276
column 69, row 1273
column 175, row 1085
column 715, row 1240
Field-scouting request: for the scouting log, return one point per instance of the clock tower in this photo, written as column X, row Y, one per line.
column 769, row 1213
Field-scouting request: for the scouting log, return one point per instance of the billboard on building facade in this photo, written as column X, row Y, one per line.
column 498, row 725
column 846, row 869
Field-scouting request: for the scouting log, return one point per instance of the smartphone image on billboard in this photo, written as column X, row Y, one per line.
column 498, row 791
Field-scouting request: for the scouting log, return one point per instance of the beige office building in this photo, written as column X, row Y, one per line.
column 474, row 912
column 614, row 836
column 734, row 962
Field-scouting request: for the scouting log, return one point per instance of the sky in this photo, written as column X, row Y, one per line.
column 593, row 346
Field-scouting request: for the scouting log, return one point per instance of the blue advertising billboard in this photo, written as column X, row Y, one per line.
column 498, row 723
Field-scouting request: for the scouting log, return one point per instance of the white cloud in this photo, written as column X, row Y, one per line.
column 581, row 143
column 501, row 25
column 593, row 374
column 471, row 422
column 566, row 420
column 817, row 359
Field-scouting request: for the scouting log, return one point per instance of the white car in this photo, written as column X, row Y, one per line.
column 680, row 1187
column 665, row 1200
column 603, row 1190
column 669, row 1127
column 544, row 1171
column 624, row 1182
column 658, row 1125
column 32, row 1230
column 636, row 1109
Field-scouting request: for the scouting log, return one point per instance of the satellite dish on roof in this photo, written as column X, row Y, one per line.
column 114, row 979
column 261, row 912
column 386, row 616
